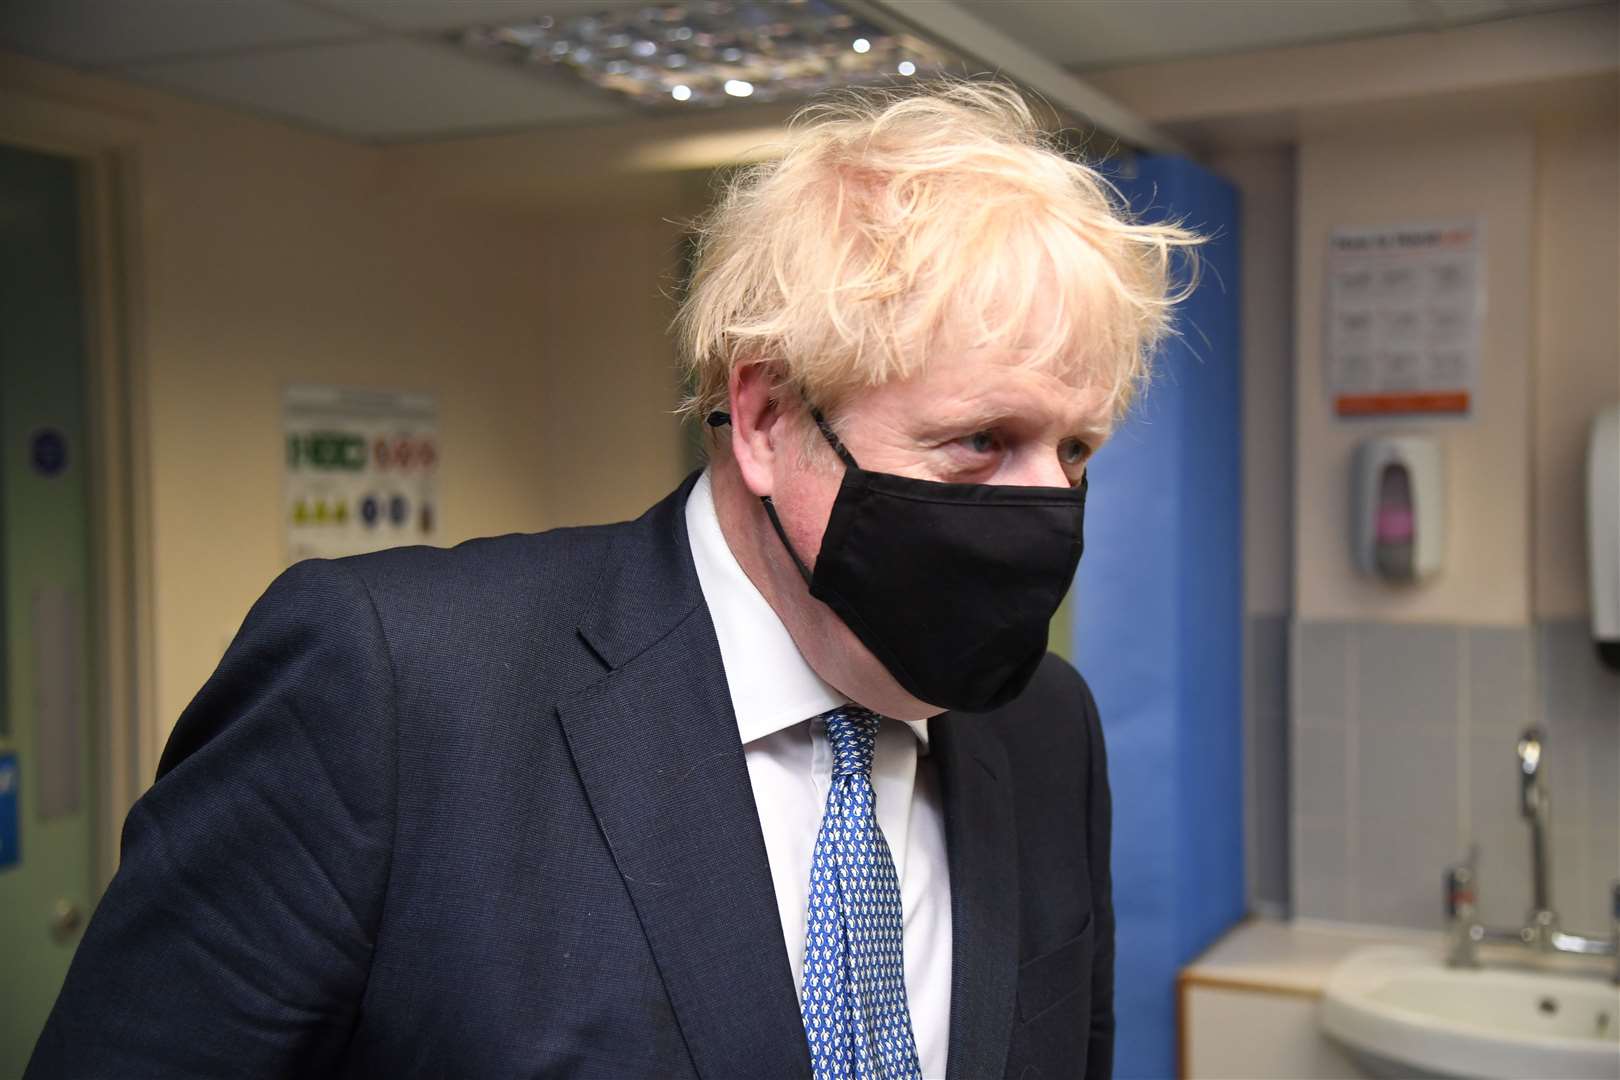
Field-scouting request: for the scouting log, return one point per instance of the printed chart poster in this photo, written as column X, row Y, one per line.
column 1403, row 319
column 362, row 470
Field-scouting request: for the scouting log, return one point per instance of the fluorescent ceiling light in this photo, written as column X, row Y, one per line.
column 719, row 51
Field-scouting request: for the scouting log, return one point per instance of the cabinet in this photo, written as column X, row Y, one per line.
column 1245, row 1032
column 1247, row 1008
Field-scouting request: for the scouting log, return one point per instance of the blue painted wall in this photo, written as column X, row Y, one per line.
column 1159, row 630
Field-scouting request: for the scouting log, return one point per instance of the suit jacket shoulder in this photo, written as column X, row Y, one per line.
column 490, row 605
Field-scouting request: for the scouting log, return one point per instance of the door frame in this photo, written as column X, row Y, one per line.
column 106, row 148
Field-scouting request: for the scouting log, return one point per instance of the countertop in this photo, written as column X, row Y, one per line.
column 1293, row 956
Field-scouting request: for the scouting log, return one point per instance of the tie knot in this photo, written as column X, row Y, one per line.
column 851, row 730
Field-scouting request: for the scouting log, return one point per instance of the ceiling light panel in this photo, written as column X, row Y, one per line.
column 712, row 52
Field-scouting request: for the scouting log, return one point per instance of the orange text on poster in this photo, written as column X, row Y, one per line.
column 1396, row 404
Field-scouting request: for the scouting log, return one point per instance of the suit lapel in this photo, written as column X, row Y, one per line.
column 656, row 745
column 983, row 855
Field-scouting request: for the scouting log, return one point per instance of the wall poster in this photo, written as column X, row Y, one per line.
column 362, row 470
column 1404, row 309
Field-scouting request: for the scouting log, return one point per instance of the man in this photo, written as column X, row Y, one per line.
column 775, row 781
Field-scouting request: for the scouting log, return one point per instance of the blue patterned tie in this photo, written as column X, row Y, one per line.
column 854, row 1006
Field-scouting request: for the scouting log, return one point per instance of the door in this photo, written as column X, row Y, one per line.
column 46, row 730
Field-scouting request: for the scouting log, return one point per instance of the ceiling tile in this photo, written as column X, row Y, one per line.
column 1109, row 33
column 387, row 89
column 1105, row 33
column 1466, row 11
column 443, row 14
column 92, row 33
column 1470, row 10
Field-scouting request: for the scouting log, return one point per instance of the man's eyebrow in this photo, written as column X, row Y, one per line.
column 969, row 420
column 993, row 415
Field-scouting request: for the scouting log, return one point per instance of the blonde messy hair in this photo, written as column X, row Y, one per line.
column 894, row 219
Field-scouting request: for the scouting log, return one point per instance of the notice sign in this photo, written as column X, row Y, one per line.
column 362, row 470
column 1403, row 319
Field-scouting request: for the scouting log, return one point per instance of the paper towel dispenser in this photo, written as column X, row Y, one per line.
column 1398, row 508
column 1603, row 532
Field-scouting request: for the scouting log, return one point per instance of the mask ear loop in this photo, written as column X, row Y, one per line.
column 720, row 418
column 781, row 533
column 833, row 440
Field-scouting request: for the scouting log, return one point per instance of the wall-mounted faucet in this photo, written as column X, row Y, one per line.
column 1541, row 930
column 1533, row 808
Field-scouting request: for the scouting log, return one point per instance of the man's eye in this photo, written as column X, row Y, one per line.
column 1073, row 452
column 980, row 442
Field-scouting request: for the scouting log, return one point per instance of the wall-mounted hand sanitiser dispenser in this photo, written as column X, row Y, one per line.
column 1603, row 532
column 1398, row 508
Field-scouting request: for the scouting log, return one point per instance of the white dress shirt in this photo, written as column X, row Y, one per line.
column 775, row 695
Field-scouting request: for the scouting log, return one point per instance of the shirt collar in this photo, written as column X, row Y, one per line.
column 772, row 685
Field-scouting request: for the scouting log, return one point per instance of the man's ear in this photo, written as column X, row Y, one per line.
column 756, row 429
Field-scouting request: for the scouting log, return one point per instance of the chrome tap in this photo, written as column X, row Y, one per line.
column 1541, row 930
column 1533, row 808
column 1460, row 940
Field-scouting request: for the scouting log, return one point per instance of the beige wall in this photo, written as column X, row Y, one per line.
column 1548, row 189
column 1369, row 180
column 1514, row 120
column 1577, row 305
column 268, row 255
column 1264, row 177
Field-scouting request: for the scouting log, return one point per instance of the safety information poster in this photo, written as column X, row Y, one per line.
column 362, row 470
column 1404, row 309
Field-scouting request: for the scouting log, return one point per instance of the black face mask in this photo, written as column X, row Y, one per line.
column 951, row 586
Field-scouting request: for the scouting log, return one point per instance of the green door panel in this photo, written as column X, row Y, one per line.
column 45, row 692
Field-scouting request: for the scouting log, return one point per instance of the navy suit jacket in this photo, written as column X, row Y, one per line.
column 483, row 812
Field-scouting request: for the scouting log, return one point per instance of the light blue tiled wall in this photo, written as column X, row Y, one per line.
column 1401, row 755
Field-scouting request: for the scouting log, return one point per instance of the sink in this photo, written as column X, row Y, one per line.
column 1402, row 1013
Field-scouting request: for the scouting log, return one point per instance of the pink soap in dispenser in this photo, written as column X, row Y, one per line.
column 1398, row 508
